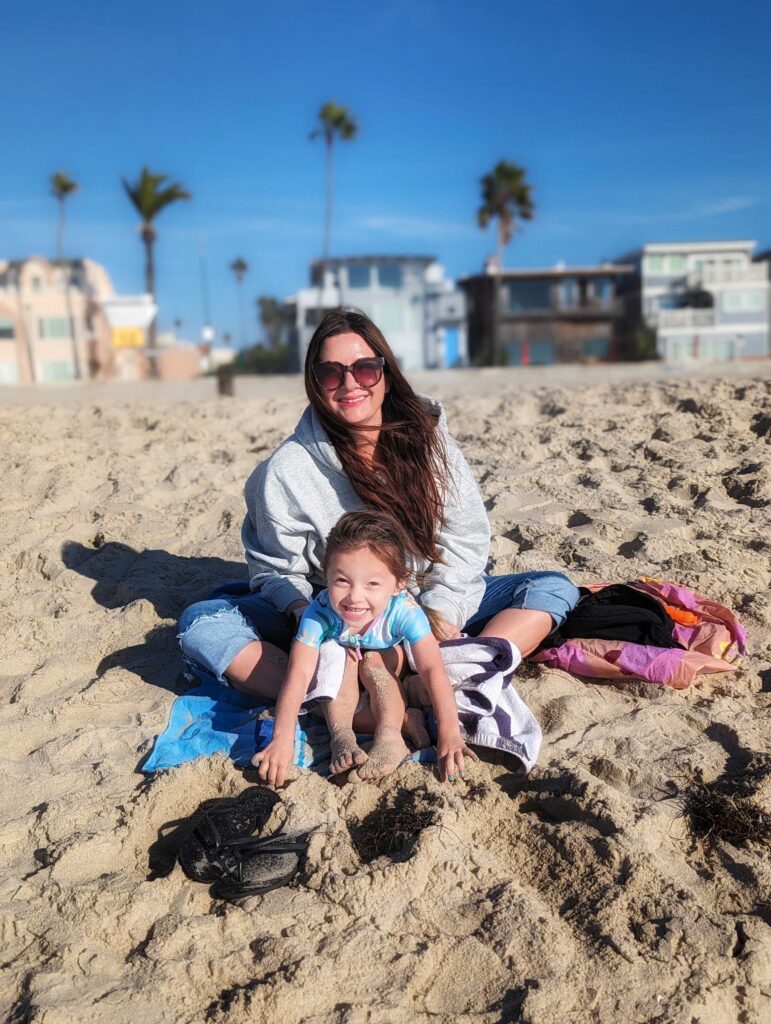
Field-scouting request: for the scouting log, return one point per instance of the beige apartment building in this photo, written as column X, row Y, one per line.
column 52, row 327
column 60, row 320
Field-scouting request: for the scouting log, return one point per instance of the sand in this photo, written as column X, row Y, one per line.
column 577, row 894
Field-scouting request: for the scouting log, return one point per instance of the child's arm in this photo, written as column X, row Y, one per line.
column 274, row 760
column 450, row 747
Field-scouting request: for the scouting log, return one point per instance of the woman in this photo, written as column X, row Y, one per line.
column 366, row 439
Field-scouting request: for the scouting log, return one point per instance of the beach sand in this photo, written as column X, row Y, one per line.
column 577, row 894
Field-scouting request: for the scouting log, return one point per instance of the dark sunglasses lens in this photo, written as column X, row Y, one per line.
column 329, row 375
column 367, row 372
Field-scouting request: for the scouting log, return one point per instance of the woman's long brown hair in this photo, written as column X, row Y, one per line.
column 408, row 474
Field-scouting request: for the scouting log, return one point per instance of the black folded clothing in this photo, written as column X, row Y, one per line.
column 617, row 612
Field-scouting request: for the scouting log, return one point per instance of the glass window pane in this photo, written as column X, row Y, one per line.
column 654, row 264
column 524, row 295
column 6, row 328
column 358, row 276
column 389, row 275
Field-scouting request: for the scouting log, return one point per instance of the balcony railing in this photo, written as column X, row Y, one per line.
column 750, row 272
column 589, row 308
column 686, row 318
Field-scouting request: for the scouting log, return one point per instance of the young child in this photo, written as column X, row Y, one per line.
column 365, row 608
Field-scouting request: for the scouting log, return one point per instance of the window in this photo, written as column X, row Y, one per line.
column 57, row 371
column 54, row 327
column 568, row 292
column 6, row 328
column 358, row 276
column 676, row 264
column 9, row 373
column 529, row 295
column 595, row 348
column 541, row 352
column 389, row 275
column 654, row 264
column 36, row 284
column 744, row 302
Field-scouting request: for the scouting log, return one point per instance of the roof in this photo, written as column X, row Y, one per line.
column 600, row 270
column 721, row 245
column 385, row 258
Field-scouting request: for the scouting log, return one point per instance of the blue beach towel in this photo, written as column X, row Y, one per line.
column 215, row 719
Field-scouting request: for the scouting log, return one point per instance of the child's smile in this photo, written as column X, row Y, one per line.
column 360, row 587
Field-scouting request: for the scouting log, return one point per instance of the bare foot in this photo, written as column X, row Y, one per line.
column 345, row 752
column 414, row 728
column 387, row 752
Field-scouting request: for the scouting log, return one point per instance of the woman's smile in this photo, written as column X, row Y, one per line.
column 357, row 405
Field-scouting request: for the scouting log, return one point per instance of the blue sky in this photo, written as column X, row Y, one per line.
column 635, row 122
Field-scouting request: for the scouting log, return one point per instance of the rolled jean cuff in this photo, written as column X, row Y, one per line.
column 552, row 593
column 214, row 639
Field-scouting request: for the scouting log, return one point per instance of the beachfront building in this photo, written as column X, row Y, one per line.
column 60, row 320
column 534, row 317
column 701, row 300
column 421, row 313
column 51, row 324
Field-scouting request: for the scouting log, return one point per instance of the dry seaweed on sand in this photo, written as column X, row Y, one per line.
column 392, row 829
column 724, row 810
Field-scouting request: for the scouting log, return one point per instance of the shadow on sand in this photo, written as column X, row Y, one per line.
column 170, row 582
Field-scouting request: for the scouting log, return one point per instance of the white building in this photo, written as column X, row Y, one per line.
column 421, row 313
column 705, row 300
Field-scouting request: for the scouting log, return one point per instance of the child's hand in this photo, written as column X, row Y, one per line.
column 451, row 751
column 274, row 760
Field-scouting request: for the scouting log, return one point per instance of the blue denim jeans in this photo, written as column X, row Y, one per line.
column 212, row 632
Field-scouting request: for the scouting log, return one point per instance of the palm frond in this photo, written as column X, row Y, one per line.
column 149, row 198
column 63, row 185
column 335, row 121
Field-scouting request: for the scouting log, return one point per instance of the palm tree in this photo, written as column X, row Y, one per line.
column 505, row 195
column 62, row 185
column 335, row 122
column 149, row 197
column 239, row 267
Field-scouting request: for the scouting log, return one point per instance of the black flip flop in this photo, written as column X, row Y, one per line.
column 227, row 822
column 252, row 867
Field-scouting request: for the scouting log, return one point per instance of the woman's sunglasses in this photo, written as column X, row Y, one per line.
column 366, row 372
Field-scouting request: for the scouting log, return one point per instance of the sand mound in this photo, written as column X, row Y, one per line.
column 586, row 892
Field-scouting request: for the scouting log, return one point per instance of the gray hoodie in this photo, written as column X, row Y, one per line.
column 296, row 496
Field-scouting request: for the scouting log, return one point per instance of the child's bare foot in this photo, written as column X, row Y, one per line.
column 387, row 752
column 345, row 752
column 414, row 728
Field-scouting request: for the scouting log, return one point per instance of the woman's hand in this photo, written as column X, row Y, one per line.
column 274, row 760
column 295, row 611
column 440, row 627
column 451, row 751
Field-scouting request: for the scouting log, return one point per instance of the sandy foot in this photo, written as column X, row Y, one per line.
column 345, row 752
column 387, row 752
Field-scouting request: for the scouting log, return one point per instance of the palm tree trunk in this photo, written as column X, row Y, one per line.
column 148, row 237
column 60, row 232
column 241, row 316
column 327, row 225
column 330, row 200
column 73, row 329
